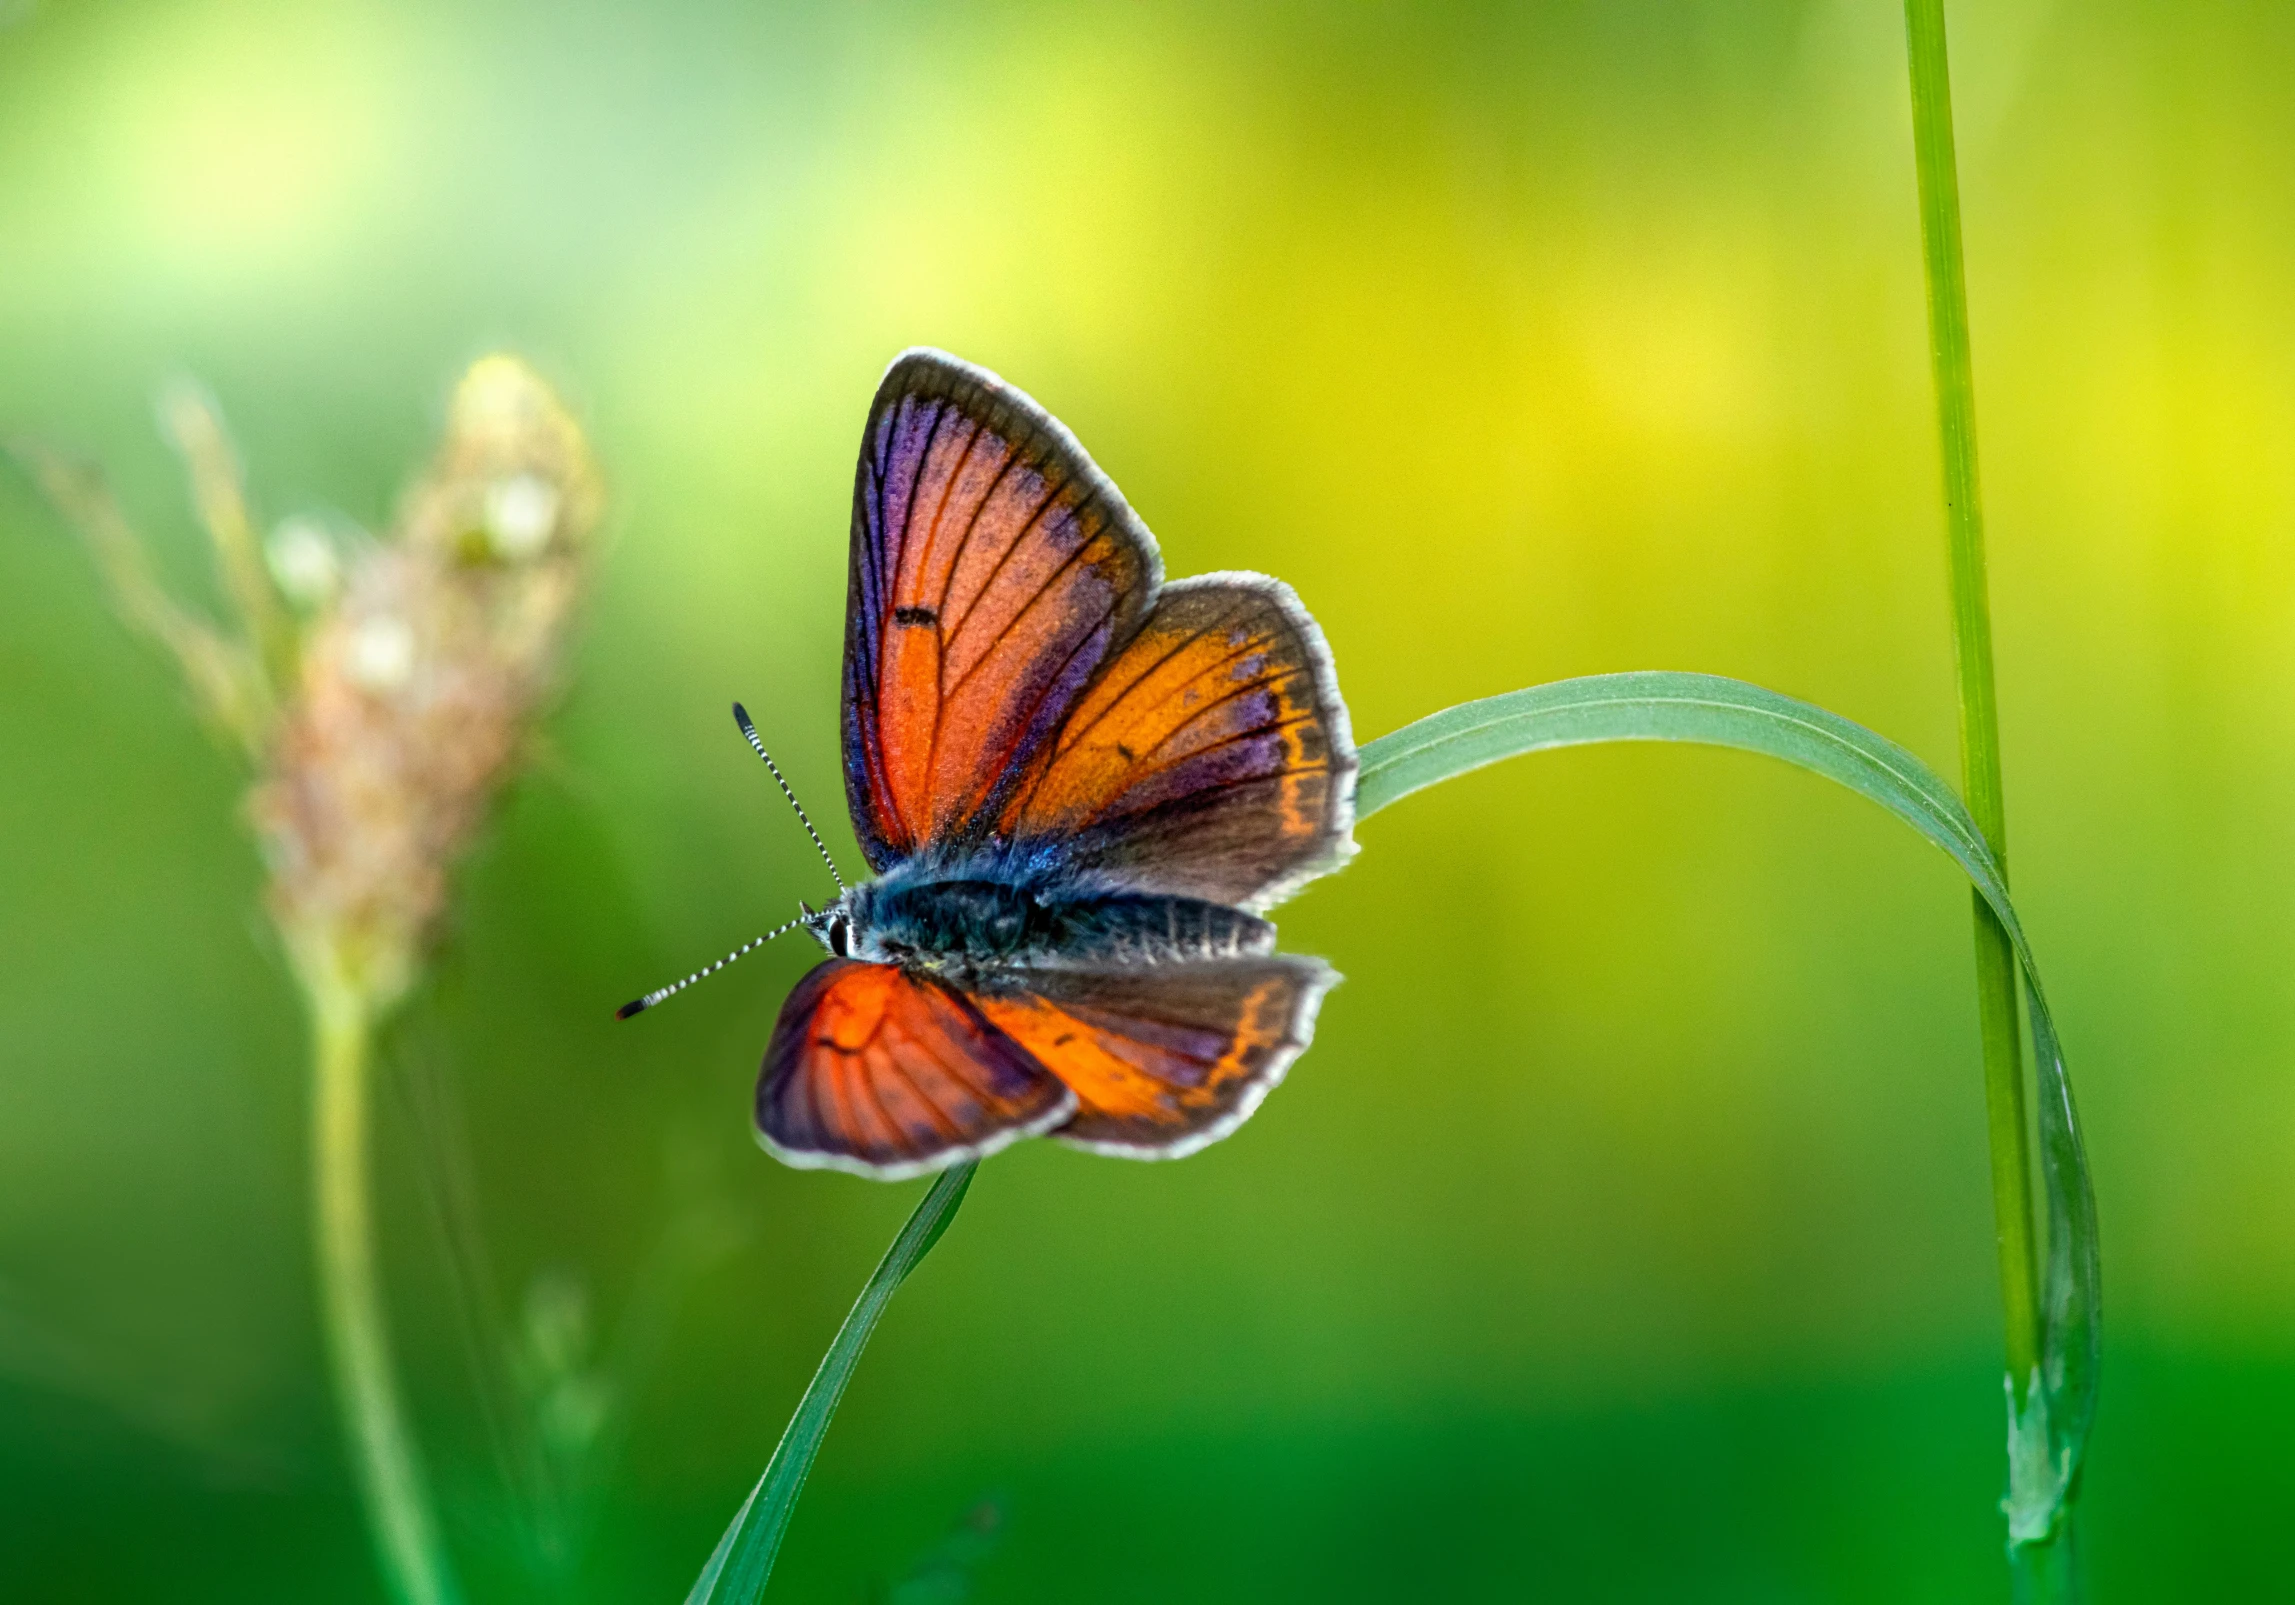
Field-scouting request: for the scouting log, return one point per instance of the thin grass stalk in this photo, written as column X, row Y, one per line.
column 381, row 1445
column 2006, row 1109
column 742, row 1564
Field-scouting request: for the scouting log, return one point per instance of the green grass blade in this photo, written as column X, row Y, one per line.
column 743, row 1560
column 1714, row 711
column 2038, row 1523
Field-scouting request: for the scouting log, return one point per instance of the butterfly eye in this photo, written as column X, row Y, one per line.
column 839, row 930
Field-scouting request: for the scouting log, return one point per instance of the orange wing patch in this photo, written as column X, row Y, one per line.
column 1163, row 1061
column 1210, row 758
column 874, row 1070
column 993, row 570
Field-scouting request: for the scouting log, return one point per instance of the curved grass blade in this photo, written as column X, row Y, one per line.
column 743, row 1560
column 2046, row 1452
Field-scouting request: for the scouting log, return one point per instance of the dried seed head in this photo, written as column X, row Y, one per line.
column 416, row 688
column 388, row 698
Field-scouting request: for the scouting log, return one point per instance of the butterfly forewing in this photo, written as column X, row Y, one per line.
column 994, row 569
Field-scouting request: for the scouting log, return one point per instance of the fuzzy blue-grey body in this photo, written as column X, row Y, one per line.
column 1007, row 908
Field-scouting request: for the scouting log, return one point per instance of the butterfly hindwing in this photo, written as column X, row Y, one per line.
column 875, row 1069
column 994, row 569
column 1163, row 1059
column 1210, row 757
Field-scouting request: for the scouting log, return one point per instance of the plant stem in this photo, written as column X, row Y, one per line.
column 742, row 1564
column 2004, row 1096
column 2047, row 1572
column 383, row 1459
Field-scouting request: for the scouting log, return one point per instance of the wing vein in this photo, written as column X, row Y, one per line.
column 942, row 1120
column 923, row 566
column 987, row 1031
column 1070, row 736
column 972, row 524
column 1050, row 580
column 900, row 571
column 940, row 509
column 1027, row 528
column 866, row 1075
column 1200, row 792
column 1197, row 678
column 1145, row 771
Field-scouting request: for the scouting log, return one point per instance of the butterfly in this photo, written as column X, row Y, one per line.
column 1080, row 788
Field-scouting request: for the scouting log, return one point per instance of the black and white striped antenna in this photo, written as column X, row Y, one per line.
column 640, row 1005
column 741, row 718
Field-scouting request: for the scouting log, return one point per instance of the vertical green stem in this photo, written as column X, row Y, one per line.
column 2047, row 1572
column 383, row 1459
column 2040, row 1576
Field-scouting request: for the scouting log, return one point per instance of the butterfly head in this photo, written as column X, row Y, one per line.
column 833, row 925
column 865, row 924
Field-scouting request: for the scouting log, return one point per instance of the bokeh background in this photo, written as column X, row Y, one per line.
column 1625, row 1236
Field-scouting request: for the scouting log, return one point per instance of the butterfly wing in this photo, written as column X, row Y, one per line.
column 1167, row 1059
column 1210, row 758
column 1014, row 669
column 1014, row 666
column 875, row 1070
column 994, row 568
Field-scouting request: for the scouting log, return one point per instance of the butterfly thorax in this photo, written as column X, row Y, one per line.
column 982, row 915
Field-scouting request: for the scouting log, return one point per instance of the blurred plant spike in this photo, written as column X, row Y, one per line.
column 191, row 420
column 383, row 691
column 418, row 682
column 227, row 686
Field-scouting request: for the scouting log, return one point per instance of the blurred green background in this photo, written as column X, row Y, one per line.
column 1626, row 1234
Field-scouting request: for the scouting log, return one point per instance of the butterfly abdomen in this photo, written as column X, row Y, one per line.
column 1153, row 929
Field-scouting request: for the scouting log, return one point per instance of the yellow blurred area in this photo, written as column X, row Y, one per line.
column 1625, row 1235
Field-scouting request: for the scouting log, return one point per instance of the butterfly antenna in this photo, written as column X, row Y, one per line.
column 640, row 1005
column 741, row 718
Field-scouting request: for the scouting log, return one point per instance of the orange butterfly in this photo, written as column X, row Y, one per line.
column 1080, row 788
